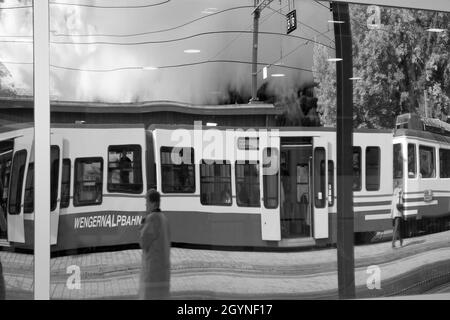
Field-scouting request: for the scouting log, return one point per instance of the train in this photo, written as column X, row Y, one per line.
column 267, row 187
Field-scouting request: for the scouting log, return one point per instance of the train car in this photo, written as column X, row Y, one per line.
column 421, row 148
column 221, row 186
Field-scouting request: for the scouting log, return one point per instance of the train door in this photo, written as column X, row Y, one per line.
column 320, row 188
column 269, row 184
column 295, row 187
column 56, row 152
column 6, row 152
column 22, row 147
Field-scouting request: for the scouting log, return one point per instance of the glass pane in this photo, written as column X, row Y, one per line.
column 215, row 183
column 271, row 178
column 400, row 115
column 16, row 150
column 373, row 168
column 412, row 162
column 247, row 184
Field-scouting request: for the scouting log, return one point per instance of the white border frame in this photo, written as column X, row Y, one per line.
column 41, row 87
column 42, row 129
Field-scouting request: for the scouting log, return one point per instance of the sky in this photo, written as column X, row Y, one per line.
column 197, row 84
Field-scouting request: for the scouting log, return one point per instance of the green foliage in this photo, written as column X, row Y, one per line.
column 401, row 66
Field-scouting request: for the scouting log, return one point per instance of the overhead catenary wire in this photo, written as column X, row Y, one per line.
column 264, row 19
column 149, row 32
column 172, row 66
column 306, row 25
column 319, row 3
column 156, row 68
column 183, row 38
column 286, row 55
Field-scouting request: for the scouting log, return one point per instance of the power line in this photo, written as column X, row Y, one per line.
column 288, row 54
column 171, row 66
column 232, row 41
column 109, row 7
column 130, row 68
column 319, row 3
column 306, row 25
column 149, row 32
column 184, row 38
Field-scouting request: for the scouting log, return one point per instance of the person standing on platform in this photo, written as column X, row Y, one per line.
column 155, row 244
column 397, row 213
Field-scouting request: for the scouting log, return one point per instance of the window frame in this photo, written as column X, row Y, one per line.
column 31, row 201
column 54, row 184
column 359, row 149
column 379, row 168
column 318, row 176
column 76, row 202
column 194, row 186
column 434, row 176
column 62, row 203
column 440, row 162
column 126, row 147
column 394, row 160
column 18, row 191
column 214, row 163
column 415, row 160
column 247, row 162
column 266, row 179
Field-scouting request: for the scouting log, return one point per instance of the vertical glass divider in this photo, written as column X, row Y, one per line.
column 41, row 150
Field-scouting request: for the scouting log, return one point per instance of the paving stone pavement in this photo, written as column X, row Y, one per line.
column 224, row 274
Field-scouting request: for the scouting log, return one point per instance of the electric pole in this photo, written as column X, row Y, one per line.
column 259, row 6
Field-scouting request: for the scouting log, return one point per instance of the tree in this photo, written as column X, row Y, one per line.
column 400, row 63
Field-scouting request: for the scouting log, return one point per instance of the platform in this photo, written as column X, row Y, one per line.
column 423, row 263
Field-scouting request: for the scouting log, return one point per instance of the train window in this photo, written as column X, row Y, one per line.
column 54, row 176
column 28, row 206
column 215, row 183
column 88, row 182
column 357, row 169
column 270, row 177
column 177, row 170
column 427, row 162
column 372, row 168
column 65, row 184
column 444, row 160
column 412, row 163
column 17, row 174
column 124, row 169
column 247, row 184
column 398, row 161
column 330, row 183
column 320, row 188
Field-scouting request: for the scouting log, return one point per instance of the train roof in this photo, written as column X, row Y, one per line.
column 9, row 126
column 25, row 102
column 422, row 135
column 310, row 129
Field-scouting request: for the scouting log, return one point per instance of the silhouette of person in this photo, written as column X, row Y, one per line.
column 155, row 244
column 125, row 168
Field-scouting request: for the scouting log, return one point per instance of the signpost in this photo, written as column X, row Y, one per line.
column 291, row 19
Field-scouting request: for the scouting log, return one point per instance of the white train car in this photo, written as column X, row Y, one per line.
column 423, row 169
column 257, row 187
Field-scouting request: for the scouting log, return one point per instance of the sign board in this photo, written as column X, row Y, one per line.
column 291, row 19
column 248, row 143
